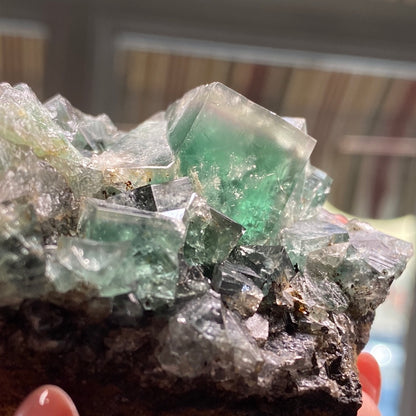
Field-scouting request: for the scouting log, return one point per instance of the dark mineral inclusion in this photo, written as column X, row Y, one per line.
column 184, row 267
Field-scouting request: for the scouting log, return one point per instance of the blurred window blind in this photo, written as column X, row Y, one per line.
column 344, row 98
column 23, row 45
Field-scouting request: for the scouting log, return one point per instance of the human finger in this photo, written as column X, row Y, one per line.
column 370, row 376
column 47, row 400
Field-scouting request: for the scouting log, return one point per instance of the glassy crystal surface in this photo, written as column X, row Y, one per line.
column 134, row 275
column 205, row 338
column 310, row 235
column 155, row 241
column 210, row 235
column 86, row 133
column 25, row 122
column 166, row 196
column 239, row 292
column 103, row 265
column 22, row 266
column 140, row 157
column 23, row 175
column 307, row 197
column 245, row 158
column 298, row 122
column 267, row 265
column 192, row 281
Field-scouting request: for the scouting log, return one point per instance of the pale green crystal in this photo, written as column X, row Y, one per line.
column 155, row 241
column 210, row 235
column 309, row 235
column 22, row 265
column 257, row 322
column 140, row 157
column 25, row 122
column 86, row 133
column 245, row 159
column 105, row 266
column 308, row 195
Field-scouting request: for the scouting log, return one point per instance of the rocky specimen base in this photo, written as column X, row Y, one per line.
column 185, row 267
column 112, row 370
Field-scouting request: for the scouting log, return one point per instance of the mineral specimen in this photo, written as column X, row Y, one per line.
column 184, row 267
column 246, row 159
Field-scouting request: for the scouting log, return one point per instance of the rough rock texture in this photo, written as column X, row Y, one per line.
column 185, row 267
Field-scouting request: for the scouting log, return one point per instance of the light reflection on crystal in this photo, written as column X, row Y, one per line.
column 99, row 223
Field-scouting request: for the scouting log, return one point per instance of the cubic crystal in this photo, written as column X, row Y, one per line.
column 245, row 159
column 230, row 287
column 154, row 239
column 210, row 235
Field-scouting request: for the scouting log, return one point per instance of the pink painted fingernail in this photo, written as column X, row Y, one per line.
column 47, row 401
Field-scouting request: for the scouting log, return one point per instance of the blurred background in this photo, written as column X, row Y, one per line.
column 349, row 68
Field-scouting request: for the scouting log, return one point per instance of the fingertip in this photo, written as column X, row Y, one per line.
column 47, row 400
column 369, row 407
column 370, row 375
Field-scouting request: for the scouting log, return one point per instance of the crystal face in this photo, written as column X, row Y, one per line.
column 246, row 159
column 149, row 266
column 190, row 257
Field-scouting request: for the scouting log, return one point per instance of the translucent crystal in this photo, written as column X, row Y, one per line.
column 308, row 195
column 310, row 235
column 158, row 197
column 192, row 281
column 22, row 267
column 239, row 292
column 26, row 176
column 155, row 241
column 140, row 157
column 210, row 235
column 298, row 122
column 265, row 265
column 364, row 267
column 25, row 122
column 314, row 298
column 195, row 337
column 204, row 338
column 102, row 265
column 159, row 282
column 245, row 159
column 86, row 133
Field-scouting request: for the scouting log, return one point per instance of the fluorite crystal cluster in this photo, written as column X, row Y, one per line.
column 189, row 262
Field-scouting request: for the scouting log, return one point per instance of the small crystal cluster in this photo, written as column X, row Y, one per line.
column 205, row 222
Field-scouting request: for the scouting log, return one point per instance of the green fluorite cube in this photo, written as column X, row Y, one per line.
column 155, row 242
column 244, row 159
column 307, row 236
column 106, row 267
